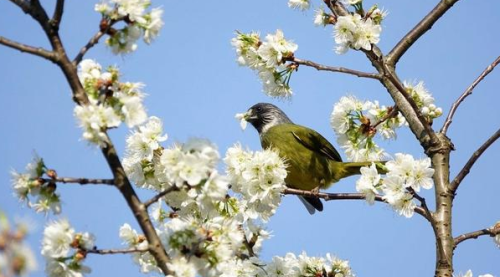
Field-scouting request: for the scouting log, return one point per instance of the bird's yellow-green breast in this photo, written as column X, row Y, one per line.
column 311, row 160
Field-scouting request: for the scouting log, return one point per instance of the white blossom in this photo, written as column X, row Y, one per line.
column 423, row 98
column 182, row 267
column 337, row 267
column 243, row 122
column 56, row 268
column 57, row 237
column 153, row 25
column 321, row 18
column 368, row 183
column 94, row 120
column 353, row 31
column 259, row 178
column 299, row 4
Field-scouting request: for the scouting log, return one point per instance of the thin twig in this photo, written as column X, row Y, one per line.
column 394, row 80
column 423, row 204
column 467, row 167
column 336, row 69
column 115, row 251
column 58, row 12
column 393, row 112
column 37, row 51
column 249, row 244
column 466, row 93
column 81, row 181
column 93, row 41
column 421, row 28
column 492, row 231
column 24, row 5
column 345, row 196
column 160, row 195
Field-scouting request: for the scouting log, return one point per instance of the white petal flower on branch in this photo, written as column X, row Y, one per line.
column 153, row 25
column 423, row 98
column 182, row 267
column 321, row 18
column 353, row 31
column 337, row 267
column 299, row 4
column 56, row 268
column 57, row 237
column 268, row 59
column 94, row 120
column 368, row 183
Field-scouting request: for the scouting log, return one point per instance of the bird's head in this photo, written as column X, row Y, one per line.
column 263, row 116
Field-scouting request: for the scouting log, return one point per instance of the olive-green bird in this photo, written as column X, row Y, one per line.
column 312, row 161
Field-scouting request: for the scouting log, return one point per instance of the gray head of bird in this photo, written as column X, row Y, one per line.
column 263, row 116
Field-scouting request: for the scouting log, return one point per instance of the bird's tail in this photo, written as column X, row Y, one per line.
column 312, row 204
column 354, row 168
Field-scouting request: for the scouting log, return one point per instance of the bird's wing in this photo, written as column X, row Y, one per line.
column 316, row 142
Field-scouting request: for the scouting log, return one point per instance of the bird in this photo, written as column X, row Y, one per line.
column 312, row 161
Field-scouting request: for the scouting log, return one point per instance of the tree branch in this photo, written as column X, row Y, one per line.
column 492, row 231
column 421, row 28
column 466, row 169
column 344, row 196
column 93, row 41
column 58, row 12
column 81, row 181
column 466, row 93
column 336, row 69
column 37, row 51
column 80, row 97
column 160, row 195
column 115, row 251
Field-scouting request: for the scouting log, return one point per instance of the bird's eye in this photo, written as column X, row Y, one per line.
column 259, row 109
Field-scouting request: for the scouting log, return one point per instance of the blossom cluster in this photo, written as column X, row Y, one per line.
column 111, row 101
column 16, row 256
column 188, row 169
column 356, row 123
column 423, row 99
column 303, row 265
column 299, row 4
column 139, row 23
column 259, row 177
column 268, row 59
column 358, row 30
column 404, row 177
column 65, row 250
column 30, row 184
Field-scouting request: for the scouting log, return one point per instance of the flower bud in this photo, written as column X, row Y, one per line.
column 79, row 256
column 51, row 173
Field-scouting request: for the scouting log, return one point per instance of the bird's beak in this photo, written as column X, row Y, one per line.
column 244, row 118
column 250, row 115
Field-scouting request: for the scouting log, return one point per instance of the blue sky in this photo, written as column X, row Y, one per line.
column 195, row 87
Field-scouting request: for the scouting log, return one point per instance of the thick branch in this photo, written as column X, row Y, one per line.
column 115, row 251
column 337, row 69
column 160, row 195
column 37, row 51
column 81, row 181
column 344, row 196
column 492, row 231
column 421, row 28
column 138, row 209
column 466, row 93
column 472, row 160
column 80, row 97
